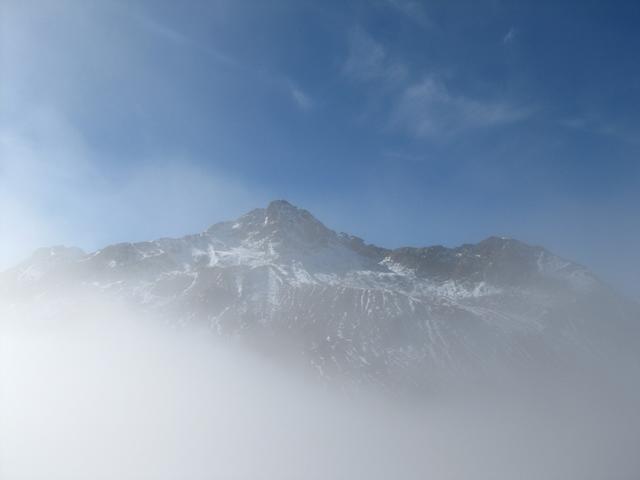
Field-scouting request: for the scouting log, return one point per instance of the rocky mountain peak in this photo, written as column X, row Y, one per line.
column 281, row 225
column 281, row 213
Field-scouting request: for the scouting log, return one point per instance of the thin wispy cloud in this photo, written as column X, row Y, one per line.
column 212, row 53
column 180, row 38
column 161, row 30
column 368, row 60
column 413, row 10
column 509, row 36
column 593, row 124
column 301, row 99
column 428, row 109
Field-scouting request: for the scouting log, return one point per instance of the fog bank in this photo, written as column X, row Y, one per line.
column 92, row 392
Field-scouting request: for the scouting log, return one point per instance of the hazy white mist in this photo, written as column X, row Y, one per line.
column 91, row 391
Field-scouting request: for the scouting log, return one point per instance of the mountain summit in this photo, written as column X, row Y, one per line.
column 351, row 309
column 279, row 225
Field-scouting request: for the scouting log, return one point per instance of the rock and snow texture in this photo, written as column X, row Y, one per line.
column 279, row 276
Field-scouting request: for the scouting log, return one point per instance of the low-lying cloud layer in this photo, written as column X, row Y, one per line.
column 92, row 392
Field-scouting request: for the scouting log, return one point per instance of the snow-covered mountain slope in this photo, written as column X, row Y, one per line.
column 279, row 276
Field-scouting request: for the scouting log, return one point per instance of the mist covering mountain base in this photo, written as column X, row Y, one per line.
column 281, row 281
column 94, row 390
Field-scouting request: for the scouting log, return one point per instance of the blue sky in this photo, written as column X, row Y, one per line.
column 404, row 122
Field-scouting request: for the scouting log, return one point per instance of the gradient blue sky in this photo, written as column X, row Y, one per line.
column 404, row 122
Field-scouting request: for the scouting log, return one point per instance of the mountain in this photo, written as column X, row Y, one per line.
column 280, row 279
